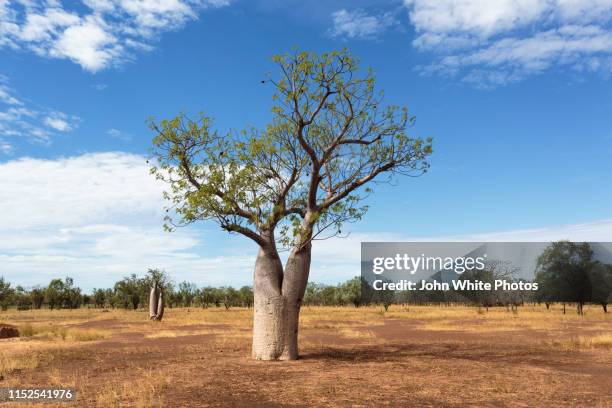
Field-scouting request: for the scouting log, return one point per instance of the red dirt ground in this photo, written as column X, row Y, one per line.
column 402, row 365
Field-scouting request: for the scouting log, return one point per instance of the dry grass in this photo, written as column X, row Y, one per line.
column 471, row 319
column 88, row 334
column 61, row 316
column 11, row 361
column 21, row 354
column 52, row 331
column 602, row 341
column 356, row 334
column 148, row 364
column 64, row 324
column 338, row 317
column 144, row 391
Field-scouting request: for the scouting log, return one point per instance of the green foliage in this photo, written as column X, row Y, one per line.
column 129, row 292
column 208, row 296
column 186, row 293
column 563, row 272
column 38, row 297
column 306, row 172
column 22, row 299
column 132, row 292
column 100, row 298
column 350, row 292
column 486, row 298
column 229, row 297
column 601, row 283
column 347, row 293
column 320, row 295
column 54, row 293
column 72, row 297
column 156, row 277
column 385, row 297
column 245, row 294
column 6, row 294
column 63, row 294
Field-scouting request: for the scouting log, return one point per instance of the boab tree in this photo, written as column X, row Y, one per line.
column 157, row 281
column 297, row 180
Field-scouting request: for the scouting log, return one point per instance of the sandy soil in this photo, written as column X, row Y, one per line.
column 387, row 361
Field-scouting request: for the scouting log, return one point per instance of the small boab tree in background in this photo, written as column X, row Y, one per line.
column 297, row 180
column 157, row 281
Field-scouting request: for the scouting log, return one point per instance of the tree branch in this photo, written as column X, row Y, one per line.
column 247, row 232
column 356, row 184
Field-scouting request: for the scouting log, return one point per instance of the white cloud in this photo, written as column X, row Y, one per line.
column 97, row 217
column 338, row 259
column 106, row 33
column 589, row 231
column 92, row 189
column 58, row 122
column 88, row 43
column 119, row 134
column 495, row 42
column 46, row 25
column 360, row 24
column 481, row 18
column 6, row 148
column 19, row 119
column 6, row 96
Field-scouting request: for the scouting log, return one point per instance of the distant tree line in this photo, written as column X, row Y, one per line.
column 566, row 273
column 131, row 292
column 57, row 295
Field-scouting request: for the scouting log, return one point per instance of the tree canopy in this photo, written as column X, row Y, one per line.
column 302, row 174
column 563, row 273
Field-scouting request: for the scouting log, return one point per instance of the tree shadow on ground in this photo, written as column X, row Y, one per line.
column 446, row 351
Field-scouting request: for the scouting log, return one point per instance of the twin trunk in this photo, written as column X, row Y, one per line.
column 156, row 303
column 278, row 298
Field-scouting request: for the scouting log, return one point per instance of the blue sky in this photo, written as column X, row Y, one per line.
column 515, row 93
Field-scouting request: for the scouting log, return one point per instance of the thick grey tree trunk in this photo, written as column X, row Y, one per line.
column 160, row 305
column 156, row 303
column 294, row 286
column 153, row 302
column 278, row 299
column 268, row 305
